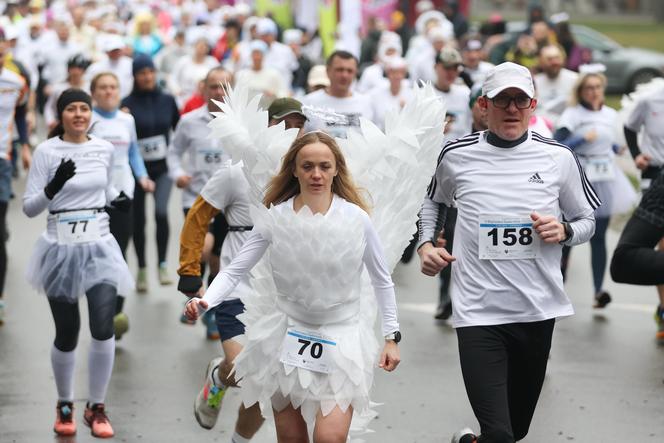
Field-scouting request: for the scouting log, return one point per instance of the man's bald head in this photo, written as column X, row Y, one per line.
column 551, row 60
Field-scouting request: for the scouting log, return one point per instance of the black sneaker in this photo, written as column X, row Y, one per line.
column 601, row 300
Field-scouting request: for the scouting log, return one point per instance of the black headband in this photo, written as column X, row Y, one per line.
column 72, row 95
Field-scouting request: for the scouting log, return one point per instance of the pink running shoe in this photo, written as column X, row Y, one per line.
column 95, row 417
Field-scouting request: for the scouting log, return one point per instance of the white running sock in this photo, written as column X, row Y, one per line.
column 100, row 367
column 237, row 438
column 63, row 371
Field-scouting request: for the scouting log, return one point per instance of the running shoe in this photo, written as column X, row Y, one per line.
column 466, row 435
column 120, row 324
column 142, row 281
column 64, row 419
column 208, row 401
column 659, row 319
column 601, row 300
column 164, row 278
column 2, row 312
column 210, row 322
column 96, row 418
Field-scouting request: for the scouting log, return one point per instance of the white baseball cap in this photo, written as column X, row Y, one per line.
column 508, row 75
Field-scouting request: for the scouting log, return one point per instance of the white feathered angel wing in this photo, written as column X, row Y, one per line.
column 243, row 130
column 395, row 167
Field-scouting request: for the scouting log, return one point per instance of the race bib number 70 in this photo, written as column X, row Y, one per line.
column 308, row 350
column 507, row 238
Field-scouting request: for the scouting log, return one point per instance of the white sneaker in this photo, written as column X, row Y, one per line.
column 466, row 435
column 208, row 401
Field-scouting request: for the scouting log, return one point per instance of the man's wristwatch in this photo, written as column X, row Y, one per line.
column 569, row 232
column 394, row 336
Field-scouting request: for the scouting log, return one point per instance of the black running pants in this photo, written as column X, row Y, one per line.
column 503, row 370
column 635, row 261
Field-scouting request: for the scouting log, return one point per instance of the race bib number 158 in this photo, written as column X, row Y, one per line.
column 507, row 238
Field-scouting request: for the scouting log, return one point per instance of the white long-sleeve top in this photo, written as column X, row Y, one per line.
column 89, row 188
column 486, row 182
column 328, row 274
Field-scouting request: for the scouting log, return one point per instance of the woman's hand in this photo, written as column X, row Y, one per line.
column 146, row 184
column 389, row 358
column 194, row 307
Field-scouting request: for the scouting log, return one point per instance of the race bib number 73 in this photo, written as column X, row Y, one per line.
column 507, row 238
column 308, row 350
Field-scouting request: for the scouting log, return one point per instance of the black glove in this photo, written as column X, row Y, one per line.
column 65, row 171
column 121, row 202
column 189, row 284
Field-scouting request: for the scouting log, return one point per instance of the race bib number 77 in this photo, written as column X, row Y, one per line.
column 507, row 238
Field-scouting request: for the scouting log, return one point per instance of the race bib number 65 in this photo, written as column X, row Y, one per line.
column 308, row 350
column 507, row 238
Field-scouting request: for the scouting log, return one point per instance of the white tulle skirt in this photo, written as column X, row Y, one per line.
column 264, row 379
column 66, row 272
column 618, row 195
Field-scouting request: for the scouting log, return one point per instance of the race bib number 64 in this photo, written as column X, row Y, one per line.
column 507, row 238
column 308, row 350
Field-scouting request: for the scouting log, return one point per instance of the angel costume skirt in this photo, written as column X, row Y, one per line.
column 66, row 271
column 309, row 326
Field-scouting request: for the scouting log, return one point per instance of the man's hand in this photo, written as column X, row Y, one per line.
column 183, row 181
column 549, row 229
column 146, row 184
column 642, row 161
column 26, row 156
column 433, row 259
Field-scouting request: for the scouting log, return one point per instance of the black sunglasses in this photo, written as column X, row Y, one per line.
column 502, row 101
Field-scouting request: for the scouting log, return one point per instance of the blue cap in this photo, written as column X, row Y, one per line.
column 141, row 61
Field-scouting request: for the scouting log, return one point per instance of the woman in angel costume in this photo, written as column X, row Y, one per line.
column 311, row 351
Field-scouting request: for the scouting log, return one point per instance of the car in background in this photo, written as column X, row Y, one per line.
column 625, row 67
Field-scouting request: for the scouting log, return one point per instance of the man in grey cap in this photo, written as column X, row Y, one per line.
column 513, row 189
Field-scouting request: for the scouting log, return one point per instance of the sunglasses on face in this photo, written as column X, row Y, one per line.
column 502, row 101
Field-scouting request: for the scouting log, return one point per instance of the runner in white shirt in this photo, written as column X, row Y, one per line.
column 119, row 129
column 589, row 129
column 455, row 96
column 261, row 77
column 193, row 158
column 76, row 67
column 394, row 93
column 512, row 189
column 554, row 84
column 70, row 177
column 338, row 99
column 473, row 62
column 115, row 62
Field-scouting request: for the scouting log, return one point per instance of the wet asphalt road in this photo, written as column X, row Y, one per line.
column 605, row 381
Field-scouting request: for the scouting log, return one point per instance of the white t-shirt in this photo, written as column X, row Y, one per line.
column 267, row 81
column 485, row 182
column 553, row 94
column 580, row 121
column 193, row 153
column 382, row 101
column 456, row 101
column 649, row 115
column 228, row 191
column 10, row 90
column 351, row 108
column 120, row 131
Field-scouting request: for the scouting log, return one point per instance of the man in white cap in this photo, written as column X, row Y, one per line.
column 116, row 62
column 513, row 189
column 278, row 56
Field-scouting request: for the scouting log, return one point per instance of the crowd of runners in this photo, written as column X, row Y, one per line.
column 105, row 103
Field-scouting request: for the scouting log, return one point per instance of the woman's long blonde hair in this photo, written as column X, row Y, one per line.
column 284, row 185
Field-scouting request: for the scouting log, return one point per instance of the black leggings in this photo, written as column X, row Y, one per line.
column 635, row 261
column 503, row 369
column 3, row 245
column 101, row 309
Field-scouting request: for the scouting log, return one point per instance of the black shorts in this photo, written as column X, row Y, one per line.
column 226, row 315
